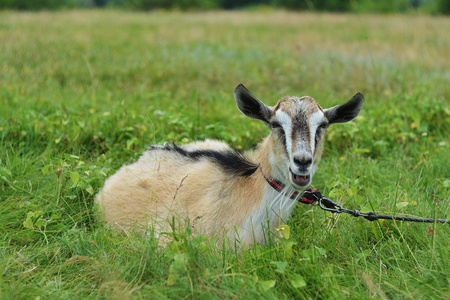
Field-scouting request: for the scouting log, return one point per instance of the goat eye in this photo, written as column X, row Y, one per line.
column 276, row 125
column 319, row 134
column 323, row 126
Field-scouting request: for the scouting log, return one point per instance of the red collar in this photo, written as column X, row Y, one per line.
column 309, row 196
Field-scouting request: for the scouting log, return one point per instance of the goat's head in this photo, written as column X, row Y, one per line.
column 298, row 128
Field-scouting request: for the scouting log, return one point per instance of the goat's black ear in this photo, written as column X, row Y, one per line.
column 345, row 112
column 250, row 106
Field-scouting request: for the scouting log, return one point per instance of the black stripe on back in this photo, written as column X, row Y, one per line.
column 231, row 161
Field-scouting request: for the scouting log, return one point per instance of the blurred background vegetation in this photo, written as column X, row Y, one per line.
column 375, row 6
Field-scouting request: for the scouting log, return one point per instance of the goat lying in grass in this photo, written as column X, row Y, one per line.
column 220, row 191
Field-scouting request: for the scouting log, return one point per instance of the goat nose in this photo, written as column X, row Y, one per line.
column 303, row 163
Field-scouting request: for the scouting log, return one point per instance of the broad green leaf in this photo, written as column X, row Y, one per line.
column 334, row 192
column 298, row 281
column 369, row 207
column 55, row 217
column 90, row 190
column 349, row 192
column 366, row 209
column 33, row 219
column 45, row 169
column 60, row 226
column 313, row 253
column 177, row 266
column 280, row 266
column 75, row 177
column 255, row 278
column 321, row 251
column 400, row 205
column 288, row 249
column 28, row 223
column 39, row 223
column 358, row 150
column 96, row 207
column 171, row 279
column 285, row 231
column 268, row 284
column 129, row 144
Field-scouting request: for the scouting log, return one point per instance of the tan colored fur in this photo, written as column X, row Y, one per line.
column 163, row 184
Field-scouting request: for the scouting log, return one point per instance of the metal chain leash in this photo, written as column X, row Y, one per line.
column 328, row 205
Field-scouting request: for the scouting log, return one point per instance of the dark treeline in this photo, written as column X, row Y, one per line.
column 428, row 6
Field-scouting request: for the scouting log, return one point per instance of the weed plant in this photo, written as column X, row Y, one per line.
column 83, row 92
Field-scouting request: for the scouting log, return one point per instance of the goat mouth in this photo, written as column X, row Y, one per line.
column 300, row 180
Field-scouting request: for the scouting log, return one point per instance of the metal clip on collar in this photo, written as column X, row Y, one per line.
column 312, row 196
column 328, row 205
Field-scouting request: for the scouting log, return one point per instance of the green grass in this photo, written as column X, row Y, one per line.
column 84, row 92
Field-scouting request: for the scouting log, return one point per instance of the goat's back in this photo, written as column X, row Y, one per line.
column 169, row 181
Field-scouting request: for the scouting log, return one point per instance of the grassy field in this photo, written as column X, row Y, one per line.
column 84, row 92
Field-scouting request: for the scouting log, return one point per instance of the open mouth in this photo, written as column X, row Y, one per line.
column 301, row 180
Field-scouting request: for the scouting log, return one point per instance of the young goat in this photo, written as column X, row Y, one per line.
column 220, row 191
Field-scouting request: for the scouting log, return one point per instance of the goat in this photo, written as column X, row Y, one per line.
column 219, row 191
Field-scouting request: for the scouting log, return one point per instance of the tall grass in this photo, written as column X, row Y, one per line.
column 84, row 92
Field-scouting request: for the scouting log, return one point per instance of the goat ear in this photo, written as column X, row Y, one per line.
column 250, row 106
column 345, row 112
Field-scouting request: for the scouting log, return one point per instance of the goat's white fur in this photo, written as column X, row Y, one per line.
column 165, row 183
